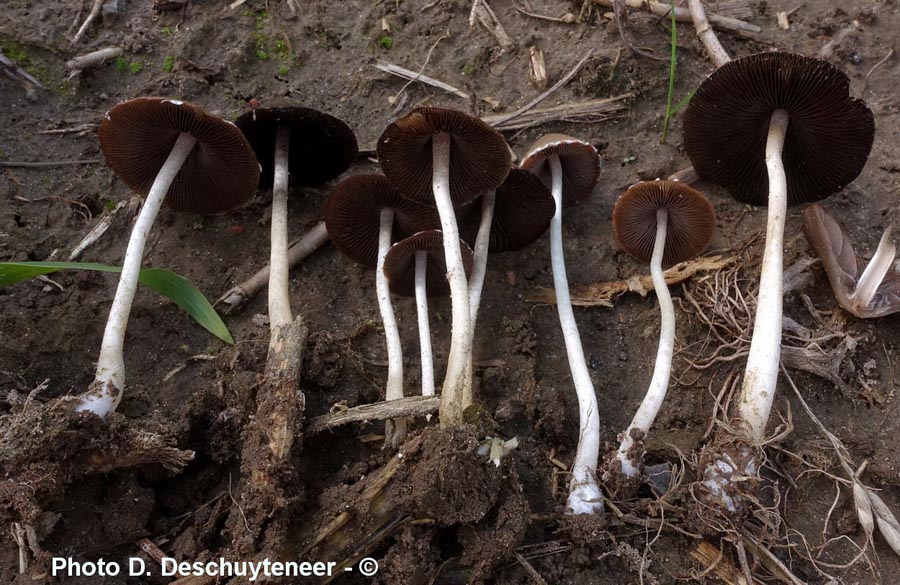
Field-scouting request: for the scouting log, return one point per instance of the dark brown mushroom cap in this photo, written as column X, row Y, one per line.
column 479, row 156
column 523, row 208
column 400, row 264
column 353, row 216
column 829, row 134
column 321, row 147
column 221, row 172
column 690, row 224
column 579, row 161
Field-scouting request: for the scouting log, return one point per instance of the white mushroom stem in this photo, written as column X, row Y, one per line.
column 584, row 494
column 396, row 429
column 109, row 381
column 761, row 375
column 452, row 398
column 656, row 392
column 427, row 357
column 875, row 271
column 279, row 290
column 476, row 282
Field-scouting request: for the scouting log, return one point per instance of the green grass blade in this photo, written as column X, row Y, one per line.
column 174, row 287
column 672, row 62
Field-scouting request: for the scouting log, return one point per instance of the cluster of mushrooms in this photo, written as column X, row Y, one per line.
column 773, row 129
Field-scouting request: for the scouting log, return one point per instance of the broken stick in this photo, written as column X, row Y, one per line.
column 94, row 58
column 604, row 293
column 408, row 407
column 732, row 25
column 238, row 296
column 717, row 53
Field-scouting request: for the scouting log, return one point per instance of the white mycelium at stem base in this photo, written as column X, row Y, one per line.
column 279, row 294
column 394, row 389
column 476, row 281
column 452, row 391
column 584, row 494
column 424, row 328
column 656, row 392
column 761, row 375
column 109, row 381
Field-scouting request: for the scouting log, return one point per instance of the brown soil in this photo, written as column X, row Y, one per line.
column 446, row 513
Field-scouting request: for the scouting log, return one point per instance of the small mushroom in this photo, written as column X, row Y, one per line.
column 570, row 168
column 775, row 129
column 171, row 153
column 663, row 223
column 323, row 148
column 416, row 266
column 505, row 220
column 364, row 214
column 448, row 158
column 866, row 290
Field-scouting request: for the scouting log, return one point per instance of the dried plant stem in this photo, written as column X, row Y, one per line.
column 95, row 11
column 237, row 296
column 565, row 79
column 93, row 58
column 717, row 53
column 407, row 407
column 683, row 15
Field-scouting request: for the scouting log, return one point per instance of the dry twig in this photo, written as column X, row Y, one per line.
column 605, row 293
column 95, row 11
column 717, row 53
column 732, row 25
column 409, row 406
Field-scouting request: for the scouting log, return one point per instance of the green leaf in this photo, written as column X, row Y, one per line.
column 174, row 287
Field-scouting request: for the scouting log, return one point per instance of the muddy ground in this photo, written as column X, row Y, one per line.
column 324, row 57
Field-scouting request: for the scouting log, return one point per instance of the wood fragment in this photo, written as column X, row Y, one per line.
column 153, row 551
column 95, row 11
column 587, row 111
column 605, row 293
column 538, row 72
column 783, row 22
column 732, row 25
column 409, row 406
column 420, row 77
column 717, row 53
column 567, row 18
column 482, row 12
column 93, row 58
column 713, row 560
column 236, row 297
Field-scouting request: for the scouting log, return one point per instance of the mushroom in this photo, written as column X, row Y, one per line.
column 364, row 214
column 505, row 220
column 570, row 168
column 171, row 153
column 873, row 291
column 416, row 266
column 446, row 157
column 663, row 223
column 773, row 129
column 324, row 147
